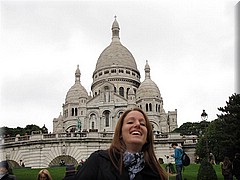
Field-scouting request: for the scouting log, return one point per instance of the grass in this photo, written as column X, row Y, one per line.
column 190, row 173
column 57, row 173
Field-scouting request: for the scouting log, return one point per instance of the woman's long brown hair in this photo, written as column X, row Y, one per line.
column 118, row 146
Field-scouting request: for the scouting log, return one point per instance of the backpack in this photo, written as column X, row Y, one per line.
column 185, row 159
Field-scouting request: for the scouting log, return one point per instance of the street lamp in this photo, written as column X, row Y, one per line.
column 204, row 117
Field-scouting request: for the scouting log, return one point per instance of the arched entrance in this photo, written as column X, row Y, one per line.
column 63, row 160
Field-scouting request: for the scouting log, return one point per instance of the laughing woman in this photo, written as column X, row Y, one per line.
column 131, row 154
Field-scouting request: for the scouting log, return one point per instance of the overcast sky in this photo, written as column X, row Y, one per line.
column 189, row 46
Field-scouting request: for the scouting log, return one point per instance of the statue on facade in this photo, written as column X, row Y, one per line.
column 79, row 125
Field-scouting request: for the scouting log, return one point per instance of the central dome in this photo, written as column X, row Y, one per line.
column 116, row 54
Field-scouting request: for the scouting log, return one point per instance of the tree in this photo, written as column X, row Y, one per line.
column 12, row 132
column 190, row 128
column 223, row 133
column 230, row 118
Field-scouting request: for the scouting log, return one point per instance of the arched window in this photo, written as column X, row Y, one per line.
column 106, row 94
column 156, row 108
column 72, row 111
column 66, row 112
column 159, row 108
column 76, row 111
column 150, row 106
column 119, row 114
column 121, row 91
column 146, row 107
column 127, row 92
column 92, row 125
column 115, row 90
column 107, row 116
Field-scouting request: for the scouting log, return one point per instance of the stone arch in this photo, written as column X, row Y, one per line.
column 71, row 128
column 66, row 158
column 155, row 127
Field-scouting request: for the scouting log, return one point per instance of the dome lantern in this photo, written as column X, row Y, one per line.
column 77, row 74
column 115, row 30
column 147, row 70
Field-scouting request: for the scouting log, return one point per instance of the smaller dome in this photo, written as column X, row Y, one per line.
column 77, row 90
column 148, row 88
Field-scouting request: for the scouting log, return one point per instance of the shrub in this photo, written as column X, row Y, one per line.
column 206, row 171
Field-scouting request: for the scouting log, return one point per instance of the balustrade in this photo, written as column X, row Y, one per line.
column 39, row 136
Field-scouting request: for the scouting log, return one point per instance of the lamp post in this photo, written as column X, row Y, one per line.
column 204, row 117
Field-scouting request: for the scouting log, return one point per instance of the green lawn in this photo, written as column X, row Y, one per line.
column 57, row 173
column 190, row 173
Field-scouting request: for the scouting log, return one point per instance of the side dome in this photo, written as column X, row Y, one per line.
column 77, row 90
column 148, row 88
column 116, row 54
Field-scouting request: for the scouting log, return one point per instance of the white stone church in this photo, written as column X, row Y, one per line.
column 116, row 87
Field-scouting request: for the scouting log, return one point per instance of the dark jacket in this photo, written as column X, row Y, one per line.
column 99, row 166
column 8, row 177
column 236, row 166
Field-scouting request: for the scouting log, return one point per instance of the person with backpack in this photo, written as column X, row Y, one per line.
column 178, row 152
column 226, row 167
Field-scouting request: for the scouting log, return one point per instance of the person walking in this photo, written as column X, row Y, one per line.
column 212, row 159
column 131, row 154
column 227, row 169
column 177, row 155
column 70, row 172
column 236, row 166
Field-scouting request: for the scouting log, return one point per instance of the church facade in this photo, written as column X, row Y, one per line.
column 116, row 87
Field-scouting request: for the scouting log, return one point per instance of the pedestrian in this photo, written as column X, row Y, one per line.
column 80, row 164
column 212, row 159
column 177, row 155
column 70, row 172
column 131, row 153
column 4, row 171
column 236, row 166
column 226, row 167
column 44, row 175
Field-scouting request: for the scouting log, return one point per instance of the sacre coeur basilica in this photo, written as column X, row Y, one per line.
column 116, row 86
